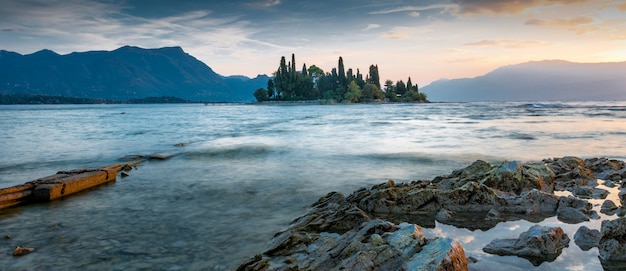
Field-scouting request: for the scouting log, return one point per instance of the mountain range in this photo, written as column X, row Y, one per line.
column 547, row 80
column 122, row 74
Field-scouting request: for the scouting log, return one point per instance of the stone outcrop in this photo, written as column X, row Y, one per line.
column 538, row 244
column 336, row 235
column 377, row 228
column 612, row 245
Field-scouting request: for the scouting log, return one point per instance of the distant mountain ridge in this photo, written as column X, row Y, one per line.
column 122, row 74
column 536, row 81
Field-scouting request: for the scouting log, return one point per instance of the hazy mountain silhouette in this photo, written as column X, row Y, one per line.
column 535, row 81
column 126, row 73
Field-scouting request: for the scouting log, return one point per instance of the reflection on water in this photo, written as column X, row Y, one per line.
column 246, row 171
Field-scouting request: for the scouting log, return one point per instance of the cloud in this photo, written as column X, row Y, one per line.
column 414, row 14
column 622, row 6
column 414, row 9
column 371, row 27
column 578, row 20
column 404, row 33
column 266, row 3
column 511, row 44
column 500, row 6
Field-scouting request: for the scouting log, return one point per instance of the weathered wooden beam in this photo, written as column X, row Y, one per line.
column 62, row 184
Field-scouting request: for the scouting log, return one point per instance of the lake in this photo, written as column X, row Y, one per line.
column 246, row 171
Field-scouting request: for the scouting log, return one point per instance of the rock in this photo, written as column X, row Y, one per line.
column 538, row 244
column 604, row 167
column 332, row 213
column 444, row 215
column 608, row 207
column 599, row 193
column 587, row 238
column 622, row 196
column 573, row 210
column 571, row 216
column 570, row 173
column 21, row 250
column 442, row 254
column 612, row 245
column 375, row 245
column 517, row 178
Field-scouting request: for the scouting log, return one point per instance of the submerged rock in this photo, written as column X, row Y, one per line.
column 21, row 250
column 587, row 238
column 539, row 244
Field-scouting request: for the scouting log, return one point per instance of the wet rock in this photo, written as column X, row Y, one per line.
column 599, row 193
column 608, row 207
column 375, row 245
column 22, row 250
column 587, row 238
column 604, row 167
column 573, row 210
column 612, row 245
column 571, row 173
column 571, row 216
column 332, row 213
column 622, row 196
column 443, row 254
column 538, row 244
column 516, row 177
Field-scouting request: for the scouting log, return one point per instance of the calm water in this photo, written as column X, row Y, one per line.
column 246, row 171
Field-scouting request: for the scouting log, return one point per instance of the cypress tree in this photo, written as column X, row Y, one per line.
column 409, row 84
column 341, row 74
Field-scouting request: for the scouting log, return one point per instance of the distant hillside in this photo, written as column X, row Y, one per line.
column 123, row 74
column 534, row 81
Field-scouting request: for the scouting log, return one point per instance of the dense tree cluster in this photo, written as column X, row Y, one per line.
column 339, row 85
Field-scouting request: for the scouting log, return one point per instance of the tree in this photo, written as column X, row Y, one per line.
column 270, row 88
column 341, row 73
column 401, row 88
column 354, row 93
column 372, row 92
column 373, row 76
column 261, row 95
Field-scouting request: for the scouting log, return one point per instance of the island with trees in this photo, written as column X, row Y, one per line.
column 338, row 86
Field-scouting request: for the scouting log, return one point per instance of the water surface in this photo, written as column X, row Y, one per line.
column 245, row 171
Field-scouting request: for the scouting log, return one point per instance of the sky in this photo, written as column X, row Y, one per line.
column 426, row 40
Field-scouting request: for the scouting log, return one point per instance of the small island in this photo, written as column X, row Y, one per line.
column 337, row 86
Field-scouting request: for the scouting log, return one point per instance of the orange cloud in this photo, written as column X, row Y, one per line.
column 500, row 6
column 512, row 44
column 576, row 21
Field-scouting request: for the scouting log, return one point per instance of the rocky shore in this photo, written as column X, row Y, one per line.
column 380, row 228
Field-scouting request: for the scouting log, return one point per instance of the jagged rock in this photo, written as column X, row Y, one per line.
column 608, row 207
column 538, row 244
column 376, row 245
column 473, row 173
column 604, row 168
column 332, row 213
column 612, row 245
column 571, row 173
column 516, row 177
column 587, row 238
column 442, row 254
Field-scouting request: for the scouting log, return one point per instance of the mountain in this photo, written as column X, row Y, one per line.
column 122, row 74
column 535, row 81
